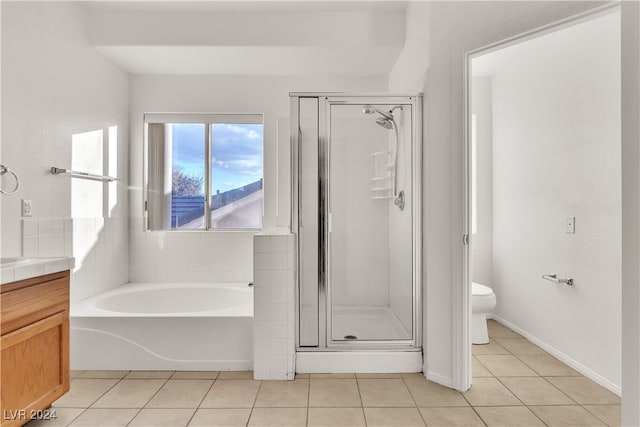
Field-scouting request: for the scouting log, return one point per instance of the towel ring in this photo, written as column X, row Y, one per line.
column 4, row 170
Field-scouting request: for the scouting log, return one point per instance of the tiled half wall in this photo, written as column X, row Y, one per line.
column 273, row 297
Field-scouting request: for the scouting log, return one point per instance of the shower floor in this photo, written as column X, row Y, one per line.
column 367, row 323
column 364, row 323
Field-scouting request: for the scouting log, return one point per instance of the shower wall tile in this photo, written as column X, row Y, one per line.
column 360, row 224
column 274, row 310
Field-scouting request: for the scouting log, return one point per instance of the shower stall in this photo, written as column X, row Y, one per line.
column 356, row 197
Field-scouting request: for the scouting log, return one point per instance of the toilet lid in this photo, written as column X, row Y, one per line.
column 480, row 290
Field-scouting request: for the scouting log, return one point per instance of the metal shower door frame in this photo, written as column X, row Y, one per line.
column 325, row 101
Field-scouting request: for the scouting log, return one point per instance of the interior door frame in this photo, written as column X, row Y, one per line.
column 464, row 352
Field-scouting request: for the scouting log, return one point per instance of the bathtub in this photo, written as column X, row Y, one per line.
column 164, row 326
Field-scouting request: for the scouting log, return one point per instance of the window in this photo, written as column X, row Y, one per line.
column 204, row 171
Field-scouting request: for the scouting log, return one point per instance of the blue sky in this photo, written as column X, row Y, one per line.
column 236, row 153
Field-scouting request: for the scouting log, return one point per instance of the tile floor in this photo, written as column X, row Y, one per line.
column 515, row 384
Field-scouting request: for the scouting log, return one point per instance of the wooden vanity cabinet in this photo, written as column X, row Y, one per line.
column 34, row 347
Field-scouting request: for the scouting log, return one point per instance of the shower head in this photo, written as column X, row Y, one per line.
column 385, row 122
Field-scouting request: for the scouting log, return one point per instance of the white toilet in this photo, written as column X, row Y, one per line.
column 483, row 301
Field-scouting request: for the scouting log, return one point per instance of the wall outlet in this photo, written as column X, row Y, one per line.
column 26, row 207
column 571, row 224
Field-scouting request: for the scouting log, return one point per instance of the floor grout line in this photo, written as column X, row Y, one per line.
column 360, row 398
column 597, row 417
column 106, row 391
column 404, row 381
column 514, row 395
column 308, row 398
column 472, row 408
column 149, row 400
column 76, row 417
column 253, row 405
column 134, row 417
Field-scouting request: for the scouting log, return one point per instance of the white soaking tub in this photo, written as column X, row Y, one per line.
column 164, row 326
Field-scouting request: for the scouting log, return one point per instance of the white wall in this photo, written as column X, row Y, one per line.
column 249, row 94
column 408, row 75
column 409, row 71
column 59, row 96
column 454, row 28
column 630, row 213
column 400, row 280
column 482, row 238
column 556, row 154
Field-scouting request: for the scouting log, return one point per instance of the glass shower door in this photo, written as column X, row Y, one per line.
column 369, row 250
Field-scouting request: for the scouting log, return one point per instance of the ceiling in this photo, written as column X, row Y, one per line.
column 329, row 38
column 537, row 50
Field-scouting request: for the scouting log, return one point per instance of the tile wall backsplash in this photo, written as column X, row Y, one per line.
column 106, row 257
column 158, row 256
column 273, row 307
column 49, row 237
column 99, row 246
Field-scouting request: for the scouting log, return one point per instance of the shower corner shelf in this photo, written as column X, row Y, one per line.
column 382, row 176
column 381, row 193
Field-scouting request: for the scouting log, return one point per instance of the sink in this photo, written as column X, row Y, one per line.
column 10, row 262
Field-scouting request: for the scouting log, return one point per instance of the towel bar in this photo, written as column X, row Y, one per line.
column 61, row 171
column 554, row 278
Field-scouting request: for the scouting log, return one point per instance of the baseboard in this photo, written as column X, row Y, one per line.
column 440, row 379
column 562, row 357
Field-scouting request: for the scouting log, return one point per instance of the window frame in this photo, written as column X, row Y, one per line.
column 206, row 119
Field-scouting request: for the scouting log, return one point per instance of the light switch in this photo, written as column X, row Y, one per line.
column 571, row 224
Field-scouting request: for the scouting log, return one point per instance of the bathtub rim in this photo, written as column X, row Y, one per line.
column 87, row 306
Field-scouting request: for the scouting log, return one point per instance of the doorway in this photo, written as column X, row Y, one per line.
column 544, row 196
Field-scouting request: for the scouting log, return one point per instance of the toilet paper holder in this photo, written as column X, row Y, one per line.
column 554, row 278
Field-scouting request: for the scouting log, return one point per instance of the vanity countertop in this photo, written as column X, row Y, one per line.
column 14, row 269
